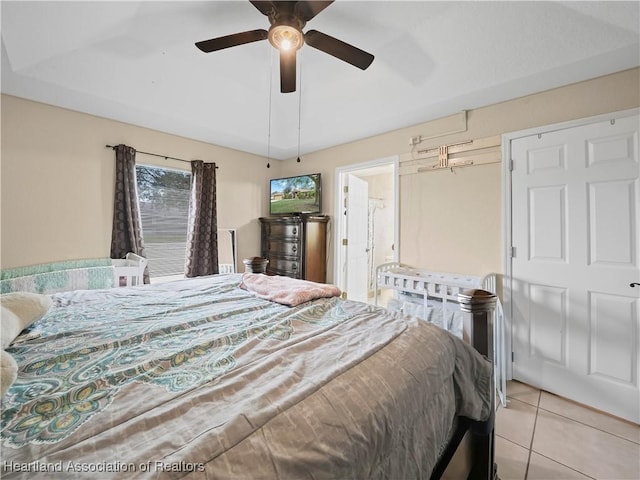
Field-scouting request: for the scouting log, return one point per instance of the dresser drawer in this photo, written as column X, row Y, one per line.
column 277, row 229
column 289, row 268
column 283, row 247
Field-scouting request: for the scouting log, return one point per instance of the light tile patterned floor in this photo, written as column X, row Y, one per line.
column 540, row 436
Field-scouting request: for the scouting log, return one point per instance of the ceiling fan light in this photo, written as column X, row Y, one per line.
column 285, row 37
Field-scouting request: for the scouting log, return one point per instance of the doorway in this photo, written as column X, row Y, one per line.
column 366, row 232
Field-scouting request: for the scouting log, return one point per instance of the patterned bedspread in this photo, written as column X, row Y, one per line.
column 200, row 378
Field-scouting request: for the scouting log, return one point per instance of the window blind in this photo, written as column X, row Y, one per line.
column 164, row 208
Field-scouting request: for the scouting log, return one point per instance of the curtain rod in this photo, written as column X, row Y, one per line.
column 155, row 155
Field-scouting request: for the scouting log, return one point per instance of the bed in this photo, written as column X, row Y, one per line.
column 203, row 378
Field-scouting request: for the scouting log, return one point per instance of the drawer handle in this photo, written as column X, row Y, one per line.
column 294, row 266
column 295, row 231
column 294, row 249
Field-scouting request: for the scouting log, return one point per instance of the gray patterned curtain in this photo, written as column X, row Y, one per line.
column 202, row 236
column 126, row 235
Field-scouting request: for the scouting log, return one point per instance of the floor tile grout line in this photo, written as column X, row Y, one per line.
column 535, row 423
column 565, row 466
column 531, row 450
column 511, row 441
column 537, row 404
column 533, row 434
column 554, row 460
column 600, row 429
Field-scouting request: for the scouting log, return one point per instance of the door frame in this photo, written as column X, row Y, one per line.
column 507, row 138
column 339, row 229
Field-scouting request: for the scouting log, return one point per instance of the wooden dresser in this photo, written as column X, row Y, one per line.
column 296, row 246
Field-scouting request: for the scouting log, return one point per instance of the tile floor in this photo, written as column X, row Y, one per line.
column 540, row 436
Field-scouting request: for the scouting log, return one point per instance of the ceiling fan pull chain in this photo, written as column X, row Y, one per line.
column 299, row 107
column 269, row 121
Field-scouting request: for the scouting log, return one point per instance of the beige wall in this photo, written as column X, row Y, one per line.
column 453, row 222
column 57, row 178
column 57, row 182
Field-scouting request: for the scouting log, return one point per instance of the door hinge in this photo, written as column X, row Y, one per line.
column 346, row 189
column 513, row 357
column 511, row 165
column 343, row 295
column 345, row 242
column 512, row 252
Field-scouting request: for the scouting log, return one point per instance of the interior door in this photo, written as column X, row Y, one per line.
column 576, row 320
column 356, row 211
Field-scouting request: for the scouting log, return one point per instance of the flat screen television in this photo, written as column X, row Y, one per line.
column 295, row 195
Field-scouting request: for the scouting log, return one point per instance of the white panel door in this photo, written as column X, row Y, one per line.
column 357, row 210
column 576, row 235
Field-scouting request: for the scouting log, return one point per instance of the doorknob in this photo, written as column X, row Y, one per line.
column 634, row 284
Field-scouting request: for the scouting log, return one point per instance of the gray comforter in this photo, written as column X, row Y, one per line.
column 200, row 379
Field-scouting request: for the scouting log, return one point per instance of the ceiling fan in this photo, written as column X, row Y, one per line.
column 287, row 20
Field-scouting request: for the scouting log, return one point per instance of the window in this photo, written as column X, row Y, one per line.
column 164, row 207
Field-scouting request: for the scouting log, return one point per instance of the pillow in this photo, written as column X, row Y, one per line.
column 8, row 372
column 18, row 311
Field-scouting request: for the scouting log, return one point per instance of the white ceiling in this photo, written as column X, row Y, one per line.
column 136, row 62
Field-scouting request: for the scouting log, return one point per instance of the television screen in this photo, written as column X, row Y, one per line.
column 291, row 195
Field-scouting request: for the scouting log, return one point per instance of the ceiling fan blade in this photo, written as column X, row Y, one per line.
column 265, row 7
column 233, row 40
column 288, row 71
column 309, row 9
column 339, row 49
